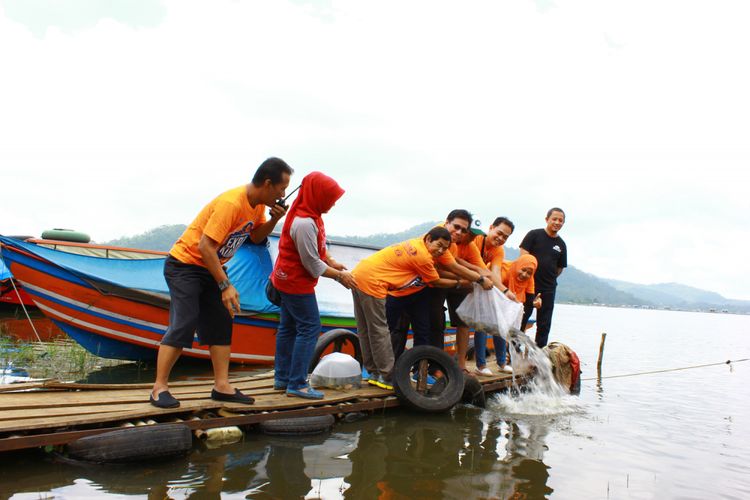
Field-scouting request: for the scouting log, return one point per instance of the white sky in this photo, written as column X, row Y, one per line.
column 634, row 116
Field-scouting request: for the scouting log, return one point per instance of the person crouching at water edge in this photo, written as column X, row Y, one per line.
column 301, row 261
column 409, row 265
column 203, row 301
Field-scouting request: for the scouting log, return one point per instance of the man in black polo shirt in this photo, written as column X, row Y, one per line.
column 552, row 257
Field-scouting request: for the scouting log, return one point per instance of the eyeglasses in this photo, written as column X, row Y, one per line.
column 459, row 228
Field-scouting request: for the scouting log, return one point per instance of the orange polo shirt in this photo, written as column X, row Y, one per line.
column 490, row 256
column 400, row 269
column 467, row 251
column 228, row 219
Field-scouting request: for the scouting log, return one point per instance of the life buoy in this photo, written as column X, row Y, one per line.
column 60, row 234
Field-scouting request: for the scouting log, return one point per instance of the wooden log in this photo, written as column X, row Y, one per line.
column 601, row 356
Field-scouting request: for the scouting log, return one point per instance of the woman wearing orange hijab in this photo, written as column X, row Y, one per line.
column 518, row 275
column 301, row 261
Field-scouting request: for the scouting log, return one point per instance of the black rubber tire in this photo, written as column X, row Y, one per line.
column 473, row 392
column 338, row 337
column 430, row 401
column 299, row 426
column 133, row 444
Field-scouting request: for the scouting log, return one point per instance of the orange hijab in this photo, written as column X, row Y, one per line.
column 510, row 276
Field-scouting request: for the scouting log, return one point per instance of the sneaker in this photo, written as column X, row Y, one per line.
column 483, row 371
column 430, row 379
column 365, row 374
column 507, row 369
column 383, row 384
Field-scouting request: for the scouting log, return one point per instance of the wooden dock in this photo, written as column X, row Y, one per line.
column 50, row 412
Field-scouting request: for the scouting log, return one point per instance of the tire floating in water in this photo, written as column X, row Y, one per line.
column 298, row 426
column 133, row 444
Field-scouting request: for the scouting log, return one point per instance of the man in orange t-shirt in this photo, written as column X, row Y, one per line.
column 403, row 269
column 203, row 301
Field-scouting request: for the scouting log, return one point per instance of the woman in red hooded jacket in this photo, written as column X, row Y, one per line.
column 301, row 261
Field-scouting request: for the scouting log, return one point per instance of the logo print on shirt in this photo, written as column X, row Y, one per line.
column 556, row 248
column 414, row 283
column 234, row 242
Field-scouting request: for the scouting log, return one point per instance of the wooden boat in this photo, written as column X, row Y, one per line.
column 9, row 294
column 115, row 301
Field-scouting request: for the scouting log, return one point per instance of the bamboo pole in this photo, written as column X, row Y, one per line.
column 601, row 355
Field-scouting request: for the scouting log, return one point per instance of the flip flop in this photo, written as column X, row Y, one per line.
column 237, row 397
column 163, row 400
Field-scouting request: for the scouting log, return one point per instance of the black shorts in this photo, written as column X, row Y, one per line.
column 454, row 298
column 196, row 309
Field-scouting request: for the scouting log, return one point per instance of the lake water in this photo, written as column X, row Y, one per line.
column 674, row 434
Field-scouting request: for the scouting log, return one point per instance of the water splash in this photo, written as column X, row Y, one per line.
column 542, row 395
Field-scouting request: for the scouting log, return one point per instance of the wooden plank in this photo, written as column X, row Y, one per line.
column 33, row 421
column 64, row 437
column 56, row 384
column 24, row 386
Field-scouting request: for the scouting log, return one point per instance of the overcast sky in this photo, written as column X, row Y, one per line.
column 634, row 116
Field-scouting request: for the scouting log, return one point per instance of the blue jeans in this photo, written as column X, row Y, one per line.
column 299, row 327
column 480, row 348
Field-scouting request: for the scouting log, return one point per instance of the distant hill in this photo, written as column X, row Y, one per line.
column 160, row 238
column 574, row 285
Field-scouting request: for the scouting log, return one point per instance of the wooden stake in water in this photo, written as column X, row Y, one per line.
column 601, row 355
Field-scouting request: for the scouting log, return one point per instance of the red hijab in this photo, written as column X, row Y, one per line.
column 316, row 196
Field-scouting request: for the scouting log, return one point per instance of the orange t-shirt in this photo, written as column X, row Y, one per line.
column 400, row 269
column 490, row 255
column 228, row 219
column 467, row 251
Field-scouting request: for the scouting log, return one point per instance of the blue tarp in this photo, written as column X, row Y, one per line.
column 248, row 271
column 4, row 273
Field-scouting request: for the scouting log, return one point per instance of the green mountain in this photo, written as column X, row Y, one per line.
column 160, row 238
column 574, row 285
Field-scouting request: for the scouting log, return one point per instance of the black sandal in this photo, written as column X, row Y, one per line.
column 163, row 400
column 237, row 397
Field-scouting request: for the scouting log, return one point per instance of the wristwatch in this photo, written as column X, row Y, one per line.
column 223, row 285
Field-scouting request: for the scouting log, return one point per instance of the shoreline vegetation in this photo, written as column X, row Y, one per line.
column 575, row 286
column 61, row 359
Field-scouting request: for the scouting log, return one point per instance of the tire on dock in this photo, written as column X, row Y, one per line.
column 441, row 396
column 473, row 392
column 133, row 444
column 298, row 426
column 336, row 340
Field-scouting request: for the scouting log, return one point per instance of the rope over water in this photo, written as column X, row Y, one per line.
column 727, row 362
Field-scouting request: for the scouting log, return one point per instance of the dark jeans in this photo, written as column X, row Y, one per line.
column 543, row 316
column 400, row 312
column 299, row 327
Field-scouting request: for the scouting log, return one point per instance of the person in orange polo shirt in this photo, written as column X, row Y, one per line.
column 468, row 265
column 491, row 248
column 203, row 301
column 404, row 269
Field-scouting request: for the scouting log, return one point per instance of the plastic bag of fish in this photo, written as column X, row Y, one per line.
column 490, row 311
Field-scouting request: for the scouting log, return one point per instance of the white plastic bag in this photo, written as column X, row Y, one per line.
column 490, row 311
column 337, row 371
